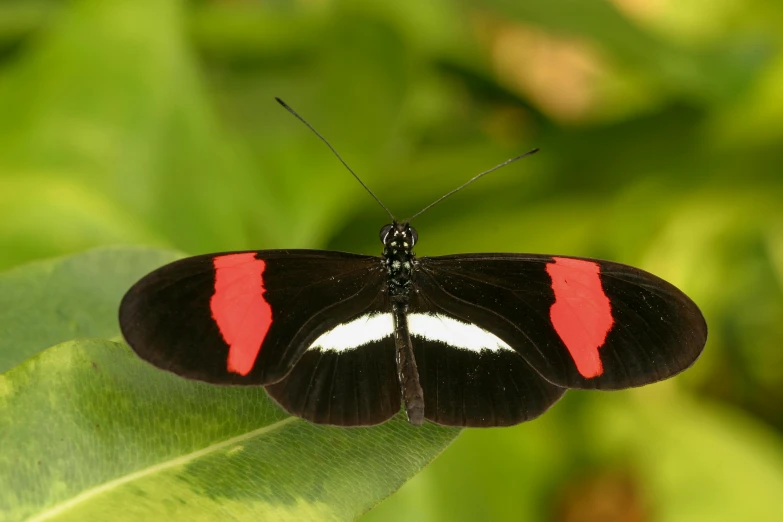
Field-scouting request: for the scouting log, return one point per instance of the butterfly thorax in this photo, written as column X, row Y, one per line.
column 398, row 258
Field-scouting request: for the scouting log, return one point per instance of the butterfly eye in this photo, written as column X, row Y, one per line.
column 414, row 236
column 385, row 232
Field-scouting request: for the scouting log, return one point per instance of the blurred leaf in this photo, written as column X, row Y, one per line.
column 91, row 432
column 695, row 462
column 703, row 76
column 700, row 461
column 754, row 118
column 357, row 71
column 18, row 18
column 106, row 111
column 32, row 203
column 248, row 33
column 49, row 302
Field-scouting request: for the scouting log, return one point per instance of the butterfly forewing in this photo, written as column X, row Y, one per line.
column 580, row 323
column 245, row 317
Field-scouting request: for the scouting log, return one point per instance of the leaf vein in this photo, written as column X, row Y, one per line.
column 184, row 459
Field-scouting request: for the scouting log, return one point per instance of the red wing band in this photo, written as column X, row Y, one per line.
column 238, row 307
column 582, row 313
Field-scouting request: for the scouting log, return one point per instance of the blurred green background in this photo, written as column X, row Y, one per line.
column 661, row 127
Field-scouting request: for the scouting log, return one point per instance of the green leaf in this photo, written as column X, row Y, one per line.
column 49, row 302
column 91, row 432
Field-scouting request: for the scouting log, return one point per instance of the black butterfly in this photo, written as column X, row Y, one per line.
column 462, row 340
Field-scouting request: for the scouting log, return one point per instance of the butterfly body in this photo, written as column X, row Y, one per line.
column 400, row 262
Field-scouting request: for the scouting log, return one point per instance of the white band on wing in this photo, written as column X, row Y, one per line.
column 349, row 336
column 433, row 327
column 455, row 333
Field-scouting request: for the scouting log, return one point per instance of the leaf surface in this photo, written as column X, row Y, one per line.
column 91, row 432
column 48, row 302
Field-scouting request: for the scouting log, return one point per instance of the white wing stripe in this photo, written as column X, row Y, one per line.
column 433, row 327
column 349, row 336
column 455, row 333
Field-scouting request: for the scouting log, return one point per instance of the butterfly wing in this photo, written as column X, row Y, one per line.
column 348, row 376
column 469, row 376
column 580, row 323
column 245, row 317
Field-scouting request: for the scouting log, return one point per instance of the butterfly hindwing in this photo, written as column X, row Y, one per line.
column 348, row 376
column 244, row 317
column 469, row 376
column 581, row 323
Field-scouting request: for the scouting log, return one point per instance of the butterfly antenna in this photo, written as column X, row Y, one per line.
column 471, row 180
column 289, row 109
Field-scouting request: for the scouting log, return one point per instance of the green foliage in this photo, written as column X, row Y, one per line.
column 680, row 458
column 114, row 438
column 151, row 122
column 86, row 426
column 49, row 302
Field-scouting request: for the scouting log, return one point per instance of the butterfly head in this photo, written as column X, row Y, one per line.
column 398, row 240
column 399, row 236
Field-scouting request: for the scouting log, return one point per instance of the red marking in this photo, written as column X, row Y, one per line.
column 238, row 306
column 582, row 314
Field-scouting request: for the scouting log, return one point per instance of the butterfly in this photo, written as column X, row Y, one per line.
column 475, row 340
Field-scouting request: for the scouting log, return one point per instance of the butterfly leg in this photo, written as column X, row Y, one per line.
column 412, row 394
